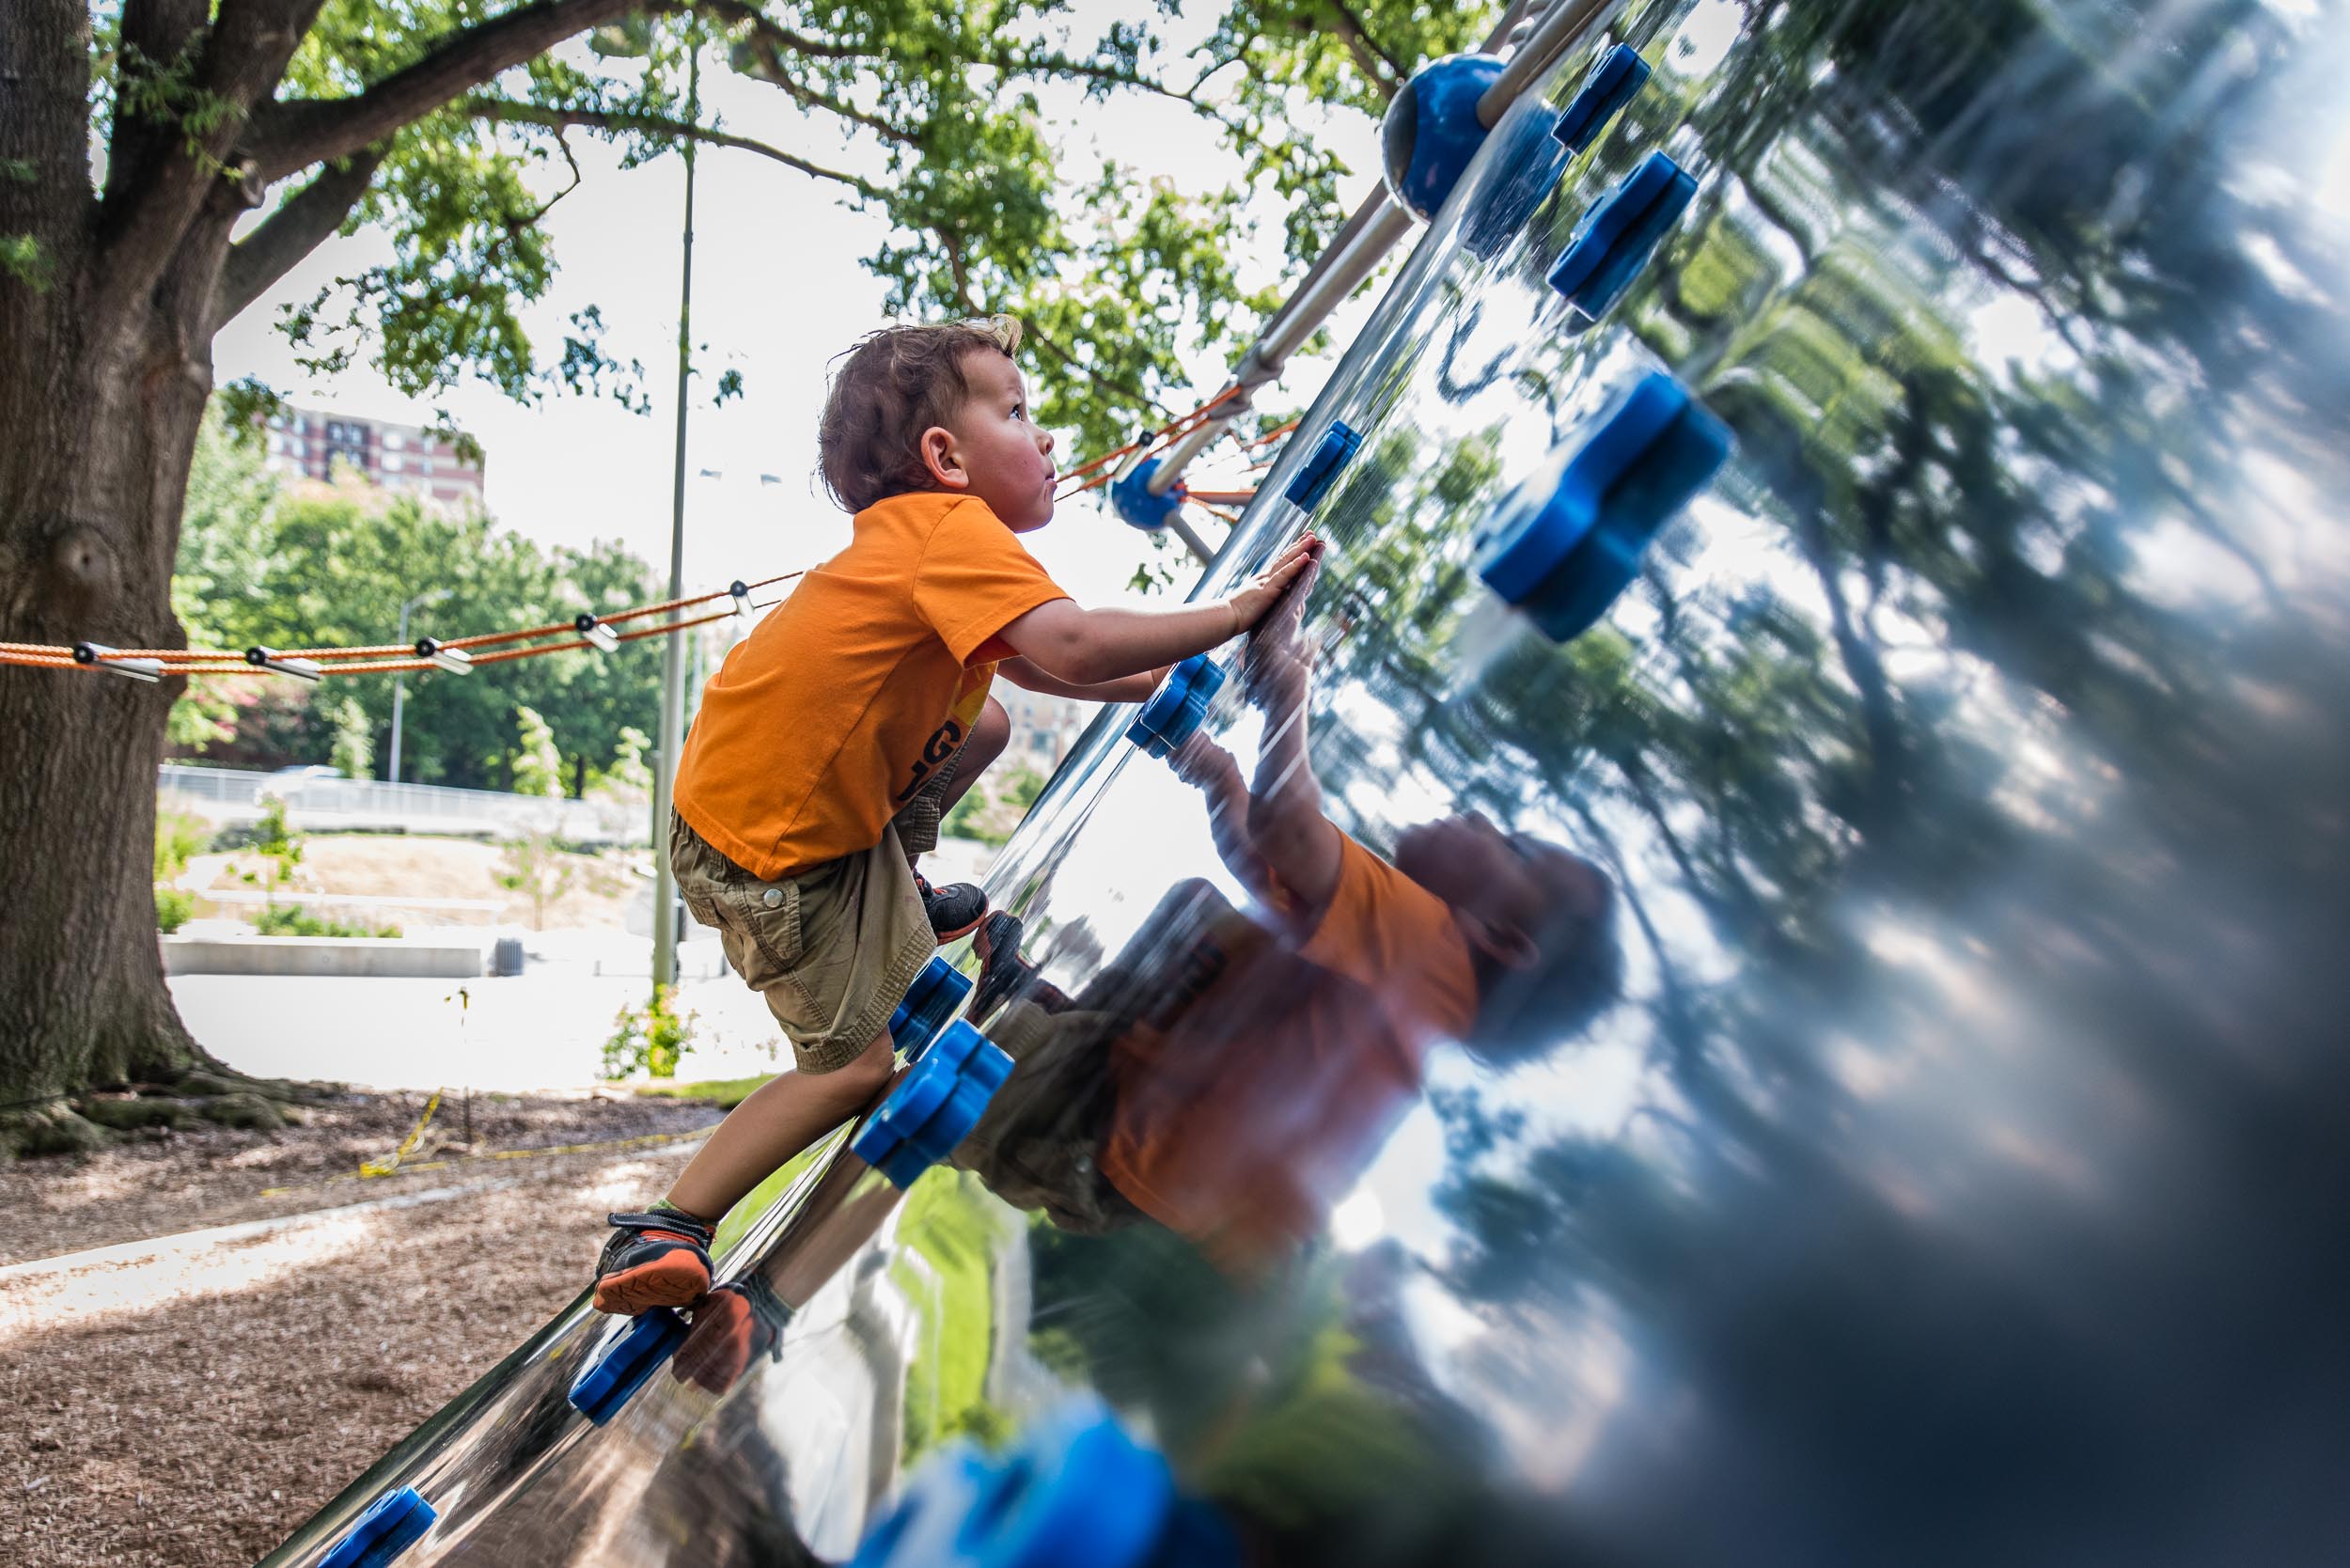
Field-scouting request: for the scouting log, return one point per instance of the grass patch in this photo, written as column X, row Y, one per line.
column 947, row 1221
column 725, row 1093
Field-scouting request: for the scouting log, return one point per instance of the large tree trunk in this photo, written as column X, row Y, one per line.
column 100, row 405
column 100, row 437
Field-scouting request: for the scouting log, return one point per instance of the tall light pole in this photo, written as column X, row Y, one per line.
column 672, row 656
column 400, row 690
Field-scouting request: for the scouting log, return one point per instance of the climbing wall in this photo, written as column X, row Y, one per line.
column 1822, row 1039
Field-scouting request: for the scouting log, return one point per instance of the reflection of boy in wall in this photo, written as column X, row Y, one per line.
column 1233, row 1077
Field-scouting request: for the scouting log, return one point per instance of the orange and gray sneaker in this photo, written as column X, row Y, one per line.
column 659, row 1258
column 955, row 910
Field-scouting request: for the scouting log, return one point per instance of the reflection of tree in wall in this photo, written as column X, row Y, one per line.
column 1848, row 746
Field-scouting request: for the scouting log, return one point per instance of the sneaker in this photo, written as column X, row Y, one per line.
column 653, row 1260
column 1004, row 975
column 955, row 910
column 734, row 1326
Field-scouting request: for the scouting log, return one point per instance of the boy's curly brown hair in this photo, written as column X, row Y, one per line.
column 888, row 389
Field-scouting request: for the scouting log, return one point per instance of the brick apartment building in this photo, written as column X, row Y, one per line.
column 396, row 456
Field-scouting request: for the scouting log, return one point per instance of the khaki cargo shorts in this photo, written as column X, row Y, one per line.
column 832, row 950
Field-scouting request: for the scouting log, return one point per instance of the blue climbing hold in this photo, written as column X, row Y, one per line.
column 934, row 1106
column 1617, row 236
column 1320, row 471
column 930, row 1001
column 632, row 1355
column 1615, row 76
column 1175, row 712
column 1132, row 499
column 1568, row 539
column 392, row 1524
column 1077, row 1492
column 1431, row 130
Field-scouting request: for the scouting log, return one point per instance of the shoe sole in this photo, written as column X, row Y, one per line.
column 676, row 1280
column 947, row 936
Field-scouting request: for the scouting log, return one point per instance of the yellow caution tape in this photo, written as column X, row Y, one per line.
column 407, row 1145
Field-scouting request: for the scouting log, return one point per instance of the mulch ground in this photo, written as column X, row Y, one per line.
column 191, row 1408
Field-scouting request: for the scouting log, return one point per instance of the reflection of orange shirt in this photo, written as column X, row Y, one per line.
column 1262, row 1103
column 837, row 708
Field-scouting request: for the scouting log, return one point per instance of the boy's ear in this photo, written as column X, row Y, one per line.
column 1505, row 945
column 944, row 463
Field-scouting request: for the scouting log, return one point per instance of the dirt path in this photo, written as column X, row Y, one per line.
column 185, row 1399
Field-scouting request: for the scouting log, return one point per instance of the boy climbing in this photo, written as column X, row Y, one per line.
column 832, row 740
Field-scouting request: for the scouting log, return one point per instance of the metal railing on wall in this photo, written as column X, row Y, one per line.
column 315, row 803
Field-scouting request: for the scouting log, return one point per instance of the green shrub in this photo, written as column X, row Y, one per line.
column 178, row 837
column 173, row 907
column 651, row 1039
column 291, row 920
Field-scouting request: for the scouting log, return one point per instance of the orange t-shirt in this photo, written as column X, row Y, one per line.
column 834, row 710
column 1260, row 1104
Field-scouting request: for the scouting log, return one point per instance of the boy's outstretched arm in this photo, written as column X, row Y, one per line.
column 1126, row 688
column 1089, row 648
column 1286, row 825
column 1207, row 766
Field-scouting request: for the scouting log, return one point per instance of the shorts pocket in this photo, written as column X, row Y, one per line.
column 769, row 914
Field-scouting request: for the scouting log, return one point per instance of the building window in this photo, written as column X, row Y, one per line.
column 393, row 440
column 392, row 462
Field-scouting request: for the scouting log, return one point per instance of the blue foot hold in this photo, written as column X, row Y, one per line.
column 1175, row 712
column 1077, row 1492
column 1615, row 76
column 633, row 1355
column 1565, row 541
column 930, row 1001
column 1431, row 130
column 1618, row 234
column 1330, row 457
column 1130, row 498
column 392, row 1524
column 934, row 1107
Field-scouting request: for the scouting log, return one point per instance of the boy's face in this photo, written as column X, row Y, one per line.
column 992, row 449
column 1505, row 883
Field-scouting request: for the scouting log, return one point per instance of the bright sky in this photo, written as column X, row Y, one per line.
column 777, row 291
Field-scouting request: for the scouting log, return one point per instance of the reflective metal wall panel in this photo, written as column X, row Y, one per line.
column 1840, row 1062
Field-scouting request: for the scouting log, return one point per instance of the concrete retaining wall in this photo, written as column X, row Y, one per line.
column 373, row 957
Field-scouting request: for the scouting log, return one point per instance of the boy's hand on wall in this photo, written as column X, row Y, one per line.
column 1250, row 605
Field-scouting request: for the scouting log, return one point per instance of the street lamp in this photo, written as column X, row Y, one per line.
column 400, row 690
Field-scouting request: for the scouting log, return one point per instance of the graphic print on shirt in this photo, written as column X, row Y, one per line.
column 943, row 741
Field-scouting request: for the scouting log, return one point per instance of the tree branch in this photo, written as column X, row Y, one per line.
column 763, row 26
column 1367, row 53
column 292, row 135
column 505, row 111
column 297, row 226
column 142, row 222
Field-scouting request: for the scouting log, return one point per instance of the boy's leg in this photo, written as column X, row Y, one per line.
column 789, row 1112
column 989, row 733
column 956, row 909
column 831, row 950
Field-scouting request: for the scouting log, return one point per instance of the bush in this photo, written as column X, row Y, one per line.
column 173, row 907
column 291, row 920
column 651, row 1039
column 179, row 837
